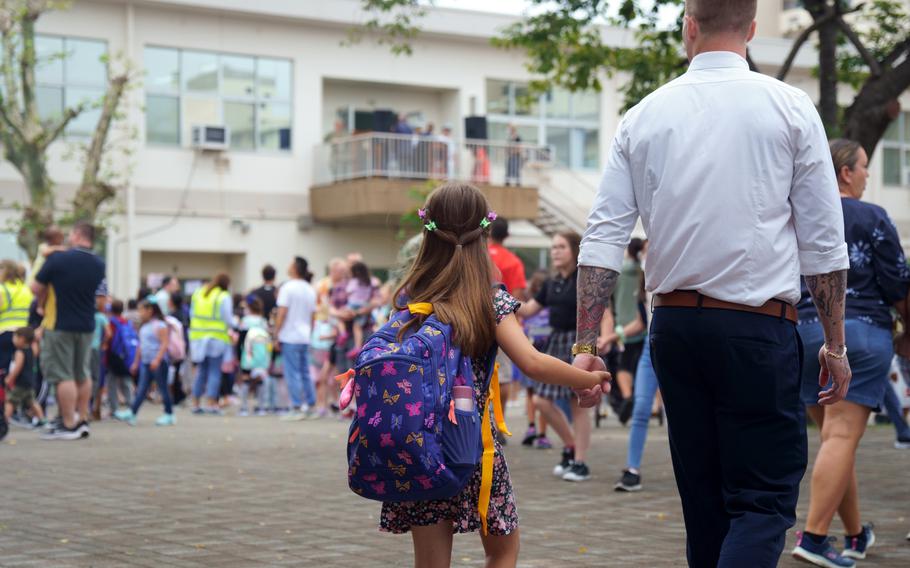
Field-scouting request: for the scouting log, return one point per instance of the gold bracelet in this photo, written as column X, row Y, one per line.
column 833, row 355
column 587, row 348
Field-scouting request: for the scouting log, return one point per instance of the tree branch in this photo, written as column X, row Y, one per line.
column 52, row 133
column 108, row 107
column 799, row 41
column 874, row 68
column 27, row 62
column 899, row 49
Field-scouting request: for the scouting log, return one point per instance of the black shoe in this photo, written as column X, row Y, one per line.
column 568, row 458
column 530, row 436
column 83, row 429
column 625, row 410
column 578, row 472
column 64, row 433
column 54, row 424
column 629, row 482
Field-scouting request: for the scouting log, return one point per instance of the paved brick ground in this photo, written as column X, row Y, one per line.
column 233, row 492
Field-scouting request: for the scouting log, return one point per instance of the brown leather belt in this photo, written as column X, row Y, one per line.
column 692, row 299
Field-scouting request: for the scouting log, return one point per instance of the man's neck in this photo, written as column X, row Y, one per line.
column 721, row 44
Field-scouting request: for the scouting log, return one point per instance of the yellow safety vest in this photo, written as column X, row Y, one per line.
column 205, row 316
column 15, row 300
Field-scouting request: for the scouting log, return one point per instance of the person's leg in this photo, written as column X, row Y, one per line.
column 293, row 373
column 893, row 407
column 306, row 381
column 202, row 373
column 556, row 419
column 66, row 394
column 433, row 545
column 581, row 426
column 679, row 351
column 161, row 379
column 82, row 366
column 624, row 380
column 8, row 410
column 113, row 388
column 37, row 411
column 761, row 427
column 142, row 390
column 501, row 550
column 645, row 390
column 848, row 510
column 844, row 425
column 213, row 380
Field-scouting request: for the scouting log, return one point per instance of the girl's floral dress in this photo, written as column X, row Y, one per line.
column 502, row 517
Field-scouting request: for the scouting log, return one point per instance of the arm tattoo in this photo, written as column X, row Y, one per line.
column 829, row 293
column 595, row 285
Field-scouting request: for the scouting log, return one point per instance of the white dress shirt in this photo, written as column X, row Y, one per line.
column 731, row 174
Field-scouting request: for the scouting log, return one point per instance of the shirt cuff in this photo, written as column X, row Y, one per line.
column 812, row 262
column 601, row 255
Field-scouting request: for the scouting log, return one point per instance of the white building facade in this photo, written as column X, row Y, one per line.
column 279, row 74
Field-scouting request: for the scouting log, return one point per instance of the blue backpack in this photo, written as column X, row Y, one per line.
column 407, row 440
column 123, row 346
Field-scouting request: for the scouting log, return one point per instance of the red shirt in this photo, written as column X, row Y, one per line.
column 511, row 270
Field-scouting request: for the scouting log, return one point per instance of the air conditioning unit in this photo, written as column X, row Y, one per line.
column 208, row 137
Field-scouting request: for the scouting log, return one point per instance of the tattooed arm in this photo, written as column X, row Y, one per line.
column 829, row 294
column 595, row 286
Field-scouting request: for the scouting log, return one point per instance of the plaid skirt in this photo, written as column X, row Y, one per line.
column 560, row 346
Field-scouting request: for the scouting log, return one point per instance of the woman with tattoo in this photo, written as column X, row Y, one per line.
column 878, row 278
column 559, row 295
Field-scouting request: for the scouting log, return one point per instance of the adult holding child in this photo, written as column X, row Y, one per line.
column 877, row 280
column 211, row 315
column 730, row 173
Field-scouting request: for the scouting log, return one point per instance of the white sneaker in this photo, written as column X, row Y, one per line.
column 293, row 416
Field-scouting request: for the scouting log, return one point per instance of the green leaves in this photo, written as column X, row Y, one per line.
column 393, row 24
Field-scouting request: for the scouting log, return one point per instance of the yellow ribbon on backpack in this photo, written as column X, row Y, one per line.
column 421, row 308
column 489, row 447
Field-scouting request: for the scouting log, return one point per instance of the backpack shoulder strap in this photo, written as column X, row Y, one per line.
column 489, row 447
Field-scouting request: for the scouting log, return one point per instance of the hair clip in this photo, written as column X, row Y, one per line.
column 431, row 226
column 488, row 220
column 422, row 213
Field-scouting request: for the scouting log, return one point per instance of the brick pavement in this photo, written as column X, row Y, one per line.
column 250, row 492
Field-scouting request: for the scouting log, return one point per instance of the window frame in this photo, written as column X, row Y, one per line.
column 902, row 146
column 542, row 122
column 255, row 99
column 65, row 84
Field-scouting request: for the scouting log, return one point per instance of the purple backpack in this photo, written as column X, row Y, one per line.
column 407, row 441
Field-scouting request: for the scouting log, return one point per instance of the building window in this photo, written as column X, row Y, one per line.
column 569, row 122
column 896, row 152
column 69, row 72
column 187, row 88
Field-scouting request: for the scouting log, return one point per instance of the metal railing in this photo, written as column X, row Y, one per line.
column 434, row 157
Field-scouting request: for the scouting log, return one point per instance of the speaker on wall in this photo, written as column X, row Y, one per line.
column 384, row 120
column 363, row 121
column 475, row 127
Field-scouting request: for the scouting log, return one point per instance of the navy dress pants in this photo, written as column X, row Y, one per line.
column 731, row 387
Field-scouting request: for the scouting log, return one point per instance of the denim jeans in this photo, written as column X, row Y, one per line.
column 297, row 374
column 893, row 407
column 645, row 389
column 208, row 378
column 146, row 376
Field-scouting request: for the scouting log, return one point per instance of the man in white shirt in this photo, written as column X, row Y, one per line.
column 731, row 175
column 293, row 329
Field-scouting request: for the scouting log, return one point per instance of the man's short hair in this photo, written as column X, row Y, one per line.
column 166, row 280
column 268, row 272
column 117, row 307
column 86, row 230
column 722, row 16
column 499, row 229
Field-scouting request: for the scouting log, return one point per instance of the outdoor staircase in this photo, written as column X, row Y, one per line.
column 563, row 205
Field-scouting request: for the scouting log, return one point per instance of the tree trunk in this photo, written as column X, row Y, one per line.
column 827, row 76
column 39, row 213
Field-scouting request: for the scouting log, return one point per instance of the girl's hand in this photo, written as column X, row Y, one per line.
column 155, row 364
column 134, row 368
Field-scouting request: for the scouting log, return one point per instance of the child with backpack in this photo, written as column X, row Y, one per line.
column 255, row 356
column 151, row 362
column 121, row 351
column 422, row 439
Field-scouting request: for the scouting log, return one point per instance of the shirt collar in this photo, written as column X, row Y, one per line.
column 718, row 60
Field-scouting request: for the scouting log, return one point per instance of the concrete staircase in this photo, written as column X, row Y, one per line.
column 564, row 200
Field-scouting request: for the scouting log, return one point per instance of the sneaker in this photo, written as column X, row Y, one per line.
column 902, row 444
column 568, row 458
column 243, row 413
column 197, row 410
column 214, row 411
column 856, row 547
column 543, row 443
column 293, row 416
column 262, row 412
column 820, row 554
column 578, row 472
column 83, row 428
column 629, row 482
column 625, row 410
column 64, row 433
column 530, row 436
column 21, row 422
column 166, row 420
column 54, row 424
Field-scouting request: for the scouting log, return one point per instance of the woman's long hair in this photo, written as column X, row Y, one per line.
column 453, row 270
column 221, row 280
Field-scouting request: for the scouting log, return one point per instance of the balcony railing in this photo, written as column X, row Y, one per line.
column 420, row 157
